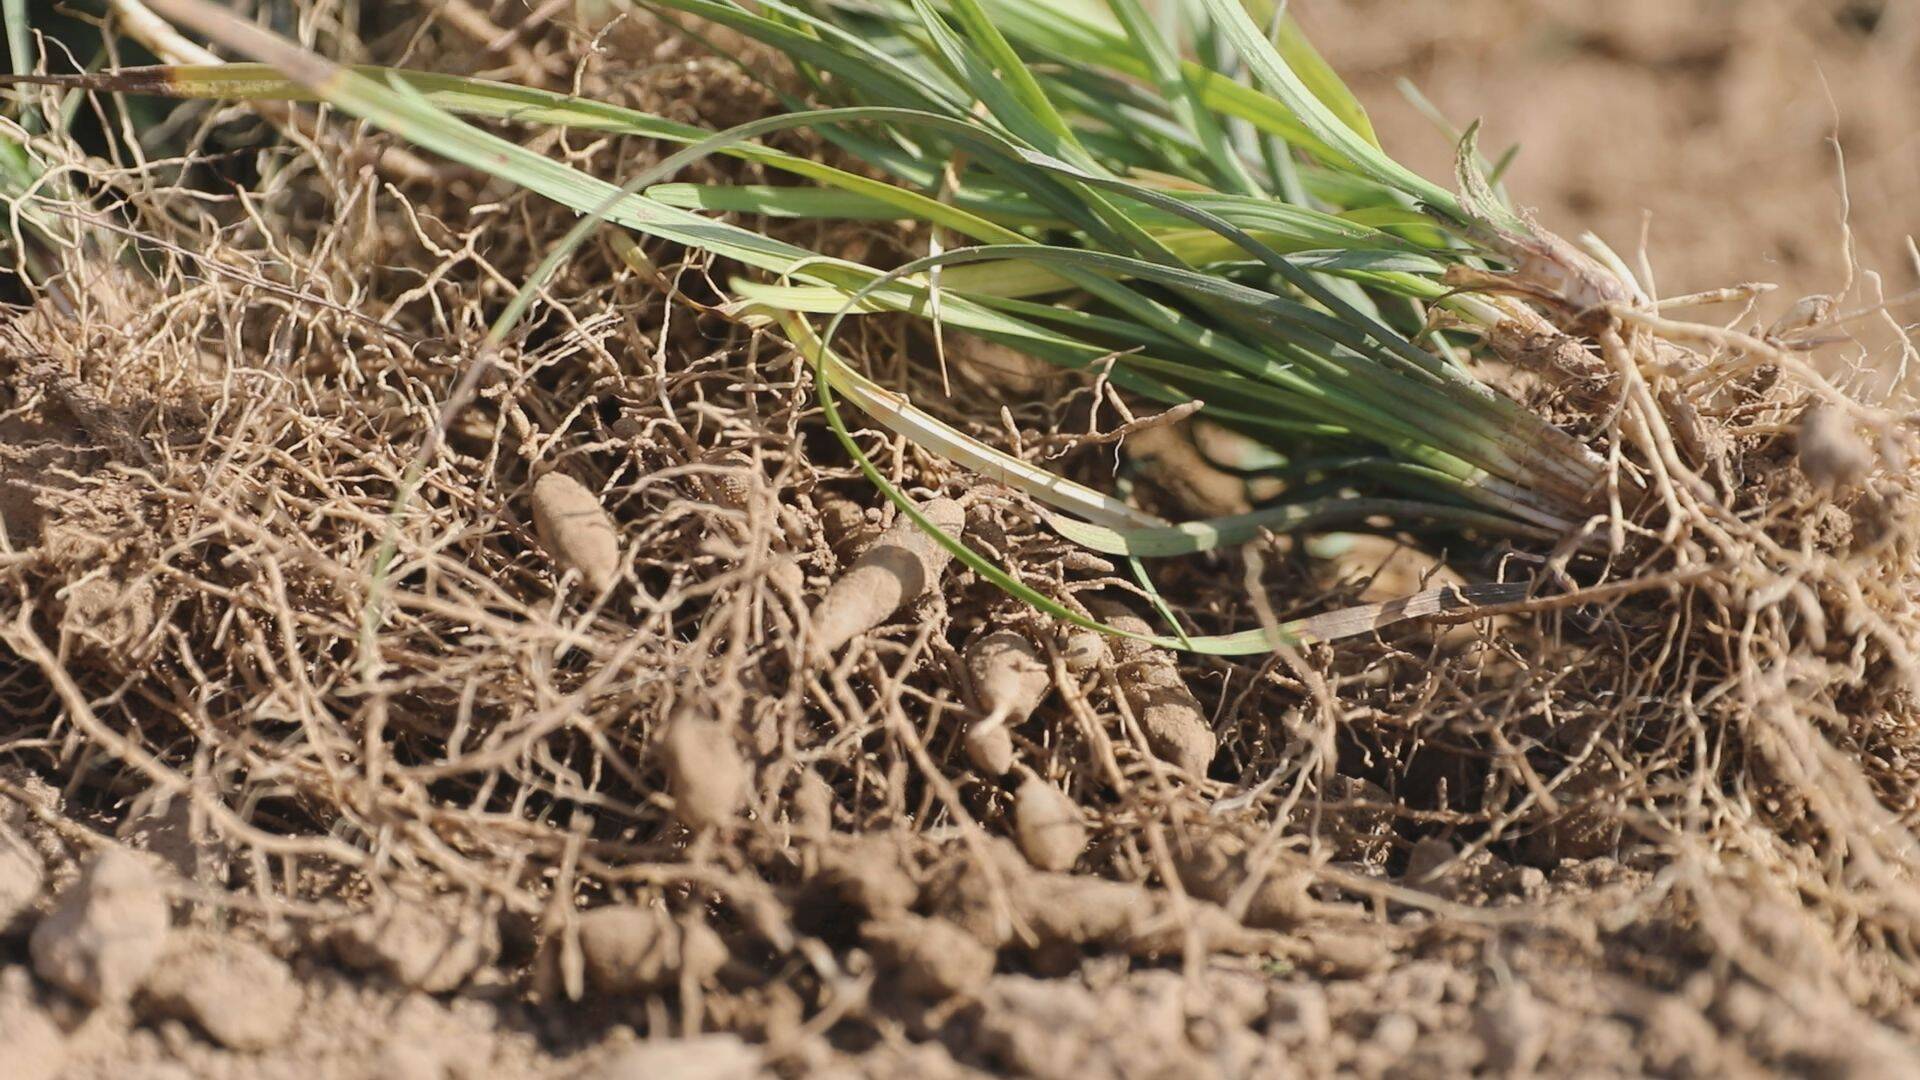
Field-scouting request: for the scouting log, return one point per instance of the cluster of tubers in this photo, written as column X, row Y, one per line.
column 627, row 950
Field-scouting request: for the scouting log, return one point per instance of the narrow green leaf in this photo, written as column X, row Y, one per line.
column 1191, row 537
column 1273, row 72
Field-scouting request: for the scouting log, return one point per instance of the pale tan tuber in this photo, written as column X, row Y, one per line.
column 903, row 563
column 576, row 530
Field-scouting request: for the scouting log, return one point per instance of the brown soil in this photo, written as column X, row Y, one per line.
column 570, row 787
column 1714, row 122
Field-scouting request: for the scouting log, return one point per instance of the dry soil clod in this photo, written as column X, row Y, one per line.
column 241, row 995
column 576, row 529
column 703, row 1057
column 705, row 771
column 22, row 875
column 34, row 1046
column 866, row 874
column 932, row 957
column 637, row 950
column 1348, row 954
column 1065, row 910
column 1215, row 867
column 428, row 948
column 1515, row 1029
column 1832, row 453
column 1425, row 862
column 1047, row 825
column 107, row 931
column 902, row 564
column 812, row 807
column 1010, row 681
column 1170, row 716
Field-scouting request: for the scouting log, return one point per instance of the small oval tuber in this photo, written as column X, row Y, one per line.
column 576, row 530
column 900, row 566
column 1170, row 716
column 1010, row 680
column 1083, row 651
column 1047, row 825
column 705, row 771
column 989, row 747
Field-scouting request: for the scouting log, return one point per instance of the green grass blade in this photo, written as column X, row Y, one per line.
column 1188, row 538
column 503, row 101
column 1320, row 79
column 1164, row 65
column 1274, row 73
column 19, row 26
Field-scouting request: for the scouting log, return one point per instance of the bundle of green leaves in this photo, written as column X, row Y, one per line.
column 1189, row 199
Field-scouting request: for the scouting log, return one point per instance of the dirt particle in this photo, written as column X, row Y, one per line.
column 703, row 1057
column 705, row 771
column 401, row 1055
column 1588, row 826
column 1297, row 1013
column 637, row 950
column 865, row 873
column 1059, row 1029
column 105, row 932
column 109, row 612
column 1065, row 912
column 931, row 957
column 1513, row 1026
column 786, row 576
column 1424, row 863
column 34, row 1046
column 237, row 992
column 1395, row 1035
column 22, row 875
column 1039, row 1028
column 1359, row 821
column 1215, row 867
column 1832, row 453
column 433, row 949
column 576, row 530
column 167, row 832
column 1346, row 953
column 1047, row 825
